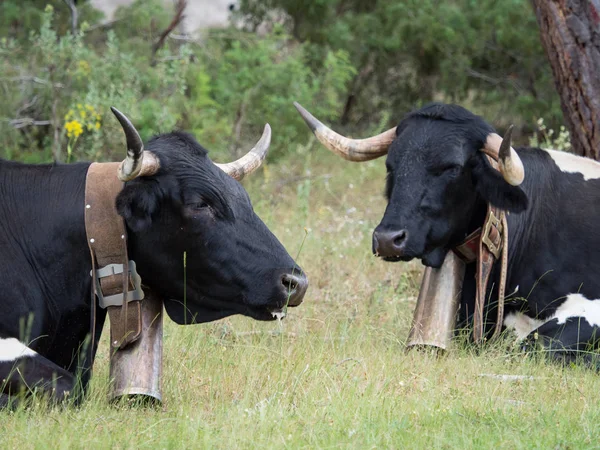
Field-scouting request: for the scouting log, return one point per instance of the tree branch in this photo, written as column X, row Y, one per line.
column 28, row 121
column 33, row 80
column 177, row 18
column 56, row 124
column 27, row 105
column 182, row 37
column 74, row 15
column 107, row 24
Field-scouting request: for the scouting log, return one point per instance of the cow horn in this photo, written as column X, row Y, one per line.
column 138, row 162
column 250, row 161
column 509, row 163
column 350, row 149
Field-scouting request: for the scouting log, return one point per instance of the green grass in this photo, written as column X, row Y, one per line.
column 334, row 373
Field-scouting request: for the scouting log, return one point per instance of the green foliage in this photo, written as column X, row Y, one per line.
column 483, row 52
column 363, row 64
column 252, row 80
column 19, row 17
column 59, row 87
column 63, row 81
column 138, row 24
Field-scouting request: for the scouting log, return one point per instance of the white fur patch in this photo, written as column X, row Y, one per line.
column 521, row 324
column 12, row 349
column 567, row 162
column 575, row 305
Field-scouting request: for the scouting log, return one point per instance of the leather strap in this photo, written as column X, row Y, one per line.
column 490, row 246
column 503, row 275
column 107, row 240
column 484, row 246
column 467, row 250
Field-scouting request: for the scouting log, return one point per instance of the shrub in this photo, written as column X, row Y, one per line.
column 58, row 88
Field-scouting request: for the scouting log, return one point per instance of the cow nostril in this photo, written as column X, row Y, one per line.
column 399, row 238
column 294, row 285
column 289, row 283
column 390, row 243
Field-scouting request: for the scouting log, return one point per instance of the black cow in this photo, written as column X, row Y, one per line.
column 183, row 203
column 438, row 186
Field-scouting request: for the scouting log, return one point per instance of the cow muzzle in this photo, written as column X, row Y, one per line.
column 391, row 245
column 294, row 285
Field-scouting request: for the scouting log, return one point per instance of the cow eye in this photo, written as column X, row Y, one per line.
column 450, row 170
column 200, row 205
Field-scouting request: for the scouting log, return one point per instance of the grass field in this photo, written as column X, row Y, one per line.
column 334, row 373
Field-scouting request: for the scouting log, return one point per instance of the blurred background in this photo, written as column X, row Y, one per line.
column 220, row 69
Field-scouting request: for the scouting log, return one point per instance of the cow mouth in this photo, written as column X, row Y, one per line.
column 279, row 314
column 397, row 258
column 266, row 313
column 272, row 309
column 431, row 256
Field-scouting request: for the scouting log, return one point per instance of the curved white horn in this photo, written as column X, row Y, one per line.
column 137, row 162
column 251, row 160
column 351, row 149
column 509, row 163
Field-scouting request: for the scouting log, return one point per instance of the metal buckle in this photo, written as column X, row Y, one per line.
column 485, row 235
column 117, row 299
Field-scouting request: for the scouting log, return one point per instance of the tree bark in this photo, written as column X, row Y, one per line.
column 570, row 34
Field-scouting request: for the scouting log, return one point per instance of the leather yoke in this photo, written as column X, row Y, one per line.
column 107, row 240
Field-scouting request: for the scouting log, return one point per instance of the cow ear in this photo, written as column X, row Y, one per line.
column 137, row 203
column 494, row 189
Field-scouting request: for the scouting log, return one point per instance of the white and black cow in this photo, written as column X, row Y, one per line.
column 175, row 200
column 439, row 184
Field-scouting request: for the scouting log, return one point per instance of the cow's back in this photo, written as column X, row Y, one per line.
column 43, row 251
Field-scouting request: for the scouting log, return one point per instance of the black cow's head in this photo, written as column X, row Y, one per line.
column 438, row 177
column 194, row 235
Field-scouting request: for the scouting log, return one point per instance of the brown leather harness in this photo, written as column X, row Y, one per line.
column 485, row 246
column 117, row 290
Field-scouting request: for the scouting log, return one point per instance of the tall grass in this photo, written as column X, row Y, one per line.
column 334, row 373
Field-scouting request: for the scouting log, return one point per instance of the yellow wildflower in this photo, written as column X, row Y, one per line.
column 74, row 129
column 97, row 125
column 83, row 67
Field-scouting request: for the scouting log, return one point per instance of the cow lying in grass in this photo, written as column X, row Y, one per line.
column 175, row 200
column 439, row 183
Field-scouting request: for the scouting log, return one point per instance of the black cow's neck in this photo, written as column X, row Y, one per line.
column 43, row 235
column 532, row 229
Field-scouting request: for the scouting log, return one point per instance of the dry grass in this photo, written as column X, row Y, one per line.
column 334, row 374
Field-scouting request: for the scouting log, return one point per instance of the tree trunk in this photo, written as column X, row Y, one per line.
column 570, row 34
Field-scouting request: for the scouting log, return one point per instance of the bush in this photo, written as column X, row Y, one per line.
column 251, row 80
column 58, row 91
column 485, row 53
column 546, row 137
column 58, row 88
